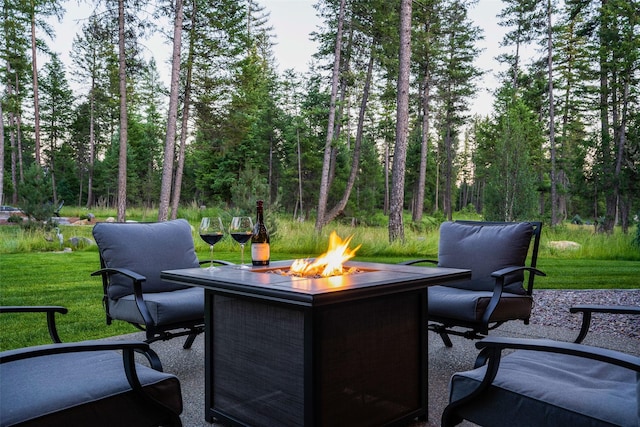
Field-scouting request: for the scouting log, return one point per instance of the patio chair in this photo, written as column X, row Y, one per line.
column 132, row 255
column 548, row 383
column 496, row 254
column 89, row 383
column 588, row 309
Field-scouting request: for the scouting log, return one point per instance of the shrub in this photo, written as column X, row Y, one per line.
column 469, row 209
column 34, row 195
column 427, row 224
column 31, row 225
column 14, row 219
column 378, row 219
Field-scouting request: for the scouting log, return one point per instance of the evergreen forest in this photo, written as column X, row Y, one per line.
column 379, row 126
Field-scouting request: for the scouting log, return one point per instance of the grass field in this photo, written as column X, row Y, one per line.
column 35, row 271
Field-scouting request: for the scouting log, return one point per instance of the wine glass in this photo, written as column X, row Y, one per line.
column 211, row 231
column 241, row 229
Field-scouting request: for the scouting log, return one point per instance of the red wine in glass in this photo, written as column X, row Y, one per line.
column 211, row 231
column 241, row 238
column 241, row 229
column 213, row 238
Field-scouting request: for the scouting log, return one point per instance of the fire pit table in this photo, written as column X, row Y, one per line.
column 292, row 351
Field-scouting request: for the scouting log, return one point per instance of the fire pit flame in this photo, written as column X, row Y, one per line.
column 329, row 263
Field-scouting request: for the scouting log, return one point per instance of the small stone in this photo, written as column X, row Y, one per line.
column 564, row 245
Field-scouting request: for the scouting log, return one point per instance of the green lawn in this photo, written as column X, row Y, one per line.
column 63, row 278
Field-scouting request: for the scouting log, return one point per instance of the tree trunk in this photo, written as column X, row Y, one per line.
column 122, row 154
column 552, row 140
column 625, row 213
column 34, row 68
column 448, row 170
column 326, row 163
column 516, row 60
column 299, row 173
column 561, row 176
column 610, row 197
column 342, row 91
column 17, row 163
column 169, row 146
column 436, row 206
column 14, row 159
column 355, row 156
column 177, row 186
column 424, row 147
column 621, row 139
column 80, row 185
column 92, row 142
column 387, row 191
column 1, row 156
column 396, row 226
column 271, row 190
column 53, row 177
column 18, row 118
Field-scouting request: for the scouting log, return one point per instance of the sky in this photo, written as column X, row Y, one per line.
column 293, row 21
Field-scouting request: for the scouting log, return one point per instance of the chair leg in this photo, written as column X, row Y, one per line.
column 190, row 339
column 442, row 331
column 584, row 328
column 445, row 338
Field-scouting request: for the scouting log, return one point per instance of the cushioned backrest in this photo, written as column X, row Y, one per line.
column 147, row 249
column 485, row 248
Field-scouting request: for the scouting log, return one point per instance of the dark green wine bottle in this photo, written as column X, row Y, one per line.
column 260, row 249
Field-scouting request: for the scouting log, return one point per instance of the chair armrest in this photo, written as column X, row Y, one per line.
column 215, row 261
column 493, row 346
column 33, row 309
column 76, row 347
column 124, row 271
column 50, row 310
column 500, row 275
column 137, row 288
column 508, row 270
column 588, row 309
column 416, row 261
column 84, row 346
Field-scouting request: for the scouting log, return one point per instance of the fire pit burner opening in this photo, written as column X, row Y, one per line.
column 346, row 271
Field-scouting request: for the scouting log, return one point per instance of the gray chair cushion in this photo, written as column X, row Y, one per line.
column 541, row 389
column 484, row 249
column 147, row 249
column 57, row 390
column 455, row 303
column 165, row 308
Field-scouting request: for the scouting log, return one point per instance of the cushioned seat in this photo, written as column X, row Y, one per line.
column 546, row 383
column 468, row 306
column 165, row 307
column 544, row 388
column 64, row 390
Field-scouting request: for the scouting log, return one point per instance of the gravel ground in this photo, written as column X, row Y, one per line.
column 552, row 309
